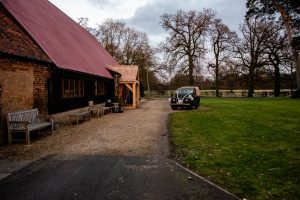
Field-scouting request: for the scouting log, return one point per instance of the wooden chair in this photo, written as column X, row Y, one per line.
column 95, row 110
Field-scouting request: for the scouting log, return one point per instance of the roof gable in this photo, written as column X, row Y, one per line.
column 129, row 73
column 67, row 44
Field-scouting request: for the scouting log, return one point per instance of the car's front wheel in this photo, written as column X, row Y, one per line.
column 174, row 107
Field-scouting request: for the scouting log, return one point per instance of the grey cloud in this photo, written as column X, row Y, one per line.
column 231, row 12
column 147, row 18
column 102, row 4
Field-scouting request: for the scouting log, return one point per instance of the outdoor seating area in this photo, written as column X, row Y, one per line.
column 26, row 121
column 83, row 114
column 92, row 110
column 99, row 110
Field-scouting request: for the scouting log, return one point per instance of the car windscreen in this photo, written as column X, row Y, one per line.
column 184, row 92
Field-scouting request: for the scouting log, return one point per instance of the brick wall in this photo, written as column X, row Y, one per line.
column 16, row 80
column 15, row 40
column 2, row 118
column 41, row 75
column 23, row 86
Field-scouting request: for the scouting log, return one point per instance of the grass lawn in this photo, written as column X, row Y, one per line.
column 249, row 146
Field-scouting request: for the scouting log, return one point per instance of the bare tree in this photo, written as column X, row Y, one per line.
column 125, row 43
column 134, row 43
column 145, row 57
column 222, row 41
column 231, row 76
column 185, row 44
column 276, row 50
column 83, row 22
column 288, row 65
column 110, row 34
column 251, row 49
column 290, row 17
column 130, row 47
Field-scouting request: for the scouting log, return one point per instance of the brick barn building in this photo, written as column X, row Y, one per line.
column 49, row 62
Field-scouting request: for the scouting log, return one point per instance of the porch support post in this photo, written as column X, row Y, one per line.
column 137, row 92
column 134, row 96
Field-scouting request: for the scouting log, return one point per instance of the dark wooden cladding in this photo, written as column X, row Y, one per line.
column 58, row 104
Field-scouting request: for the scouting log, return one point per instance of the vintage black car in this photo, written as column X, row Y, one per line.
column 187, row 97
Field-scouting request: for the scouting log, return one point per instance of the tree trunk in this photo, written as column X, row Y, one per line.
column 277, row 81
column 287, row 20
column 148, row 85
column 297, row 65
column 251, row 82
column 292, row 80
column 191, row 69
column 217, row 78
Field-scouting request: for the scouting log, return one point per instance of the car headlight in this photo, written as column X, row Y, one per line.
column 191, row 97
column 186, row 99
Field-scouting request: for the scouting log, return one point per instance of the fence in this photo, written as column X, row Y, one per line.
column 223, row 93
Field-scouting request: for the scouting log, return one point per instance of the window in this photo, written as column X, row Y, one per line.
column 100, row 88
column 72, row 88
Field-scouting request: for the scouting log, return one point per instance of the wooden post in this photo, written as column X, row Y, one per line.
column 138, row 92
column 134, row 95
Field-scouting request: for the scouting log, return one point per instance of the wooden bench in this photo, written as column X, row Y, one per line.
column 26, row 121
column 80, row 115
column 105, row 109
column 99, row 110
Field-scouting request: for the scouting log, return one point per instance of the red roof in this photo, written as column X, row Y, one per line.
column 67, row 44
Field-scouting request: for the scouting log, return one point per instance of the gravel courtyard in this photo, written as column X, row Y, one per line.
column 104, row 158
column 139, row 132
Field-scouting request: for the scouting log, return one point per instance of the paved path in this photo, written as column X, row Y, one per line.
column 78, row 174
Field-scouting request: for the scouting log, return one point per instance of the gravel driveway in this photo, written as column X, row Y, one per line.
column 130, row 147
column 139, row 132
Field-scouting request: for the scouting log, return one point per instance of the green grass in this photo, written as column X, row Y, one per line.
column 249, row 146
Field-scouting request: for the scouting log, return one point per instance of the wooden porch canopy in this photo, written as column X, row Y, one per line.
column 128, row 84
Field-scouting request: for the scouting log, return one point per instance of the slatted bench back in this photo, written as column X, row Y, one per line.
column 22, row 116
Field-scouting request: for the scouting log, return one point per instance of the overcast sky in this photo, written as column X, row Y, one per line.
column 144, row 15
